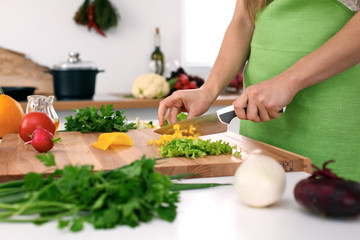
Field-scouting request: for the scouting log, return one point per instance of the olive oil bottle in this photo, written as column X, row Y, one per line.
column 157, row 57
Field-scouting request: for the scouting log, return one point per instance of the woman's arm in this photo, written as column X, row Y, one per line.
column 338, row 54
column 233, row 53
column 265, row 99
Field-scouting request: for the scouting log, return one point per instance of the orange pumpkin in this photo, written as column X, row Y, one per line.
column 11, row 114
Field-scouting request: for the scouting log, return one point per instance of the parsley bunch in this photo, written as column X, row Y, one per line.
column 184, row 147
column 90, row 120
column 74, row 195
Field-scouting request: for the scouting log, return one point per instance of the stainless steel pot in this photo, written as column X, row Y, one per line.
column 74, row 79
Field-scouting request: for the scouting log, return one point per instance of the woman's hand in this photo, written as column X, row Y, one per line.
column 195, row 102
column 264, row 100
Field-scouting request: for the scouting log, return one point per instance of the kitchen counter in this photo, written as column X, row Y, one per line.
column 121, row 101
column 214, row 213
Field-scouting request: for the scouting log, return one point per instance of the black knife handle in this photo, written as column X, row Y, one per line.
column 228, row 113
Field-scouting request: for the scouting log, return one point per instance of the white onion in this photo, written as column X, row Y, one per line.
column 260, row 180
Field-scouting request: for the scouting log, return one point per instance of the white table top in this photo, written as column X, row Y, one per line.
column 214, row 213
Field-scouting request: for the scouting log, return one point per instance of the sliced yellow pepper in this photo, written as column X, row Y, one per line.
column 105, row 140
column 178, row 133
column 192, row 129
column 176, row 127
column 158, row 142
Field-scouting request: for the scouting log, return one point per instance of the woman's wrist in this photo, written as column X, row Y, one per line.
column 295, row 79
column 210, row 92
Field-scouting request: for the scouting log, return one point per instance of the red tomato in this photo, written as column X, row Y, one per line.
column 32, row 121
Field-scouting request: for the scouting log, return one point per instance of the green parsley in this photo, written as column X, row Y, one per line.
column 98, row 120
column 48, row 160
column 76, row 195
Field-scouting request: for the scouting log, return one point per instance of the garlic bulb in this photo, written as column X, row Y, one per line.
column 260, row 180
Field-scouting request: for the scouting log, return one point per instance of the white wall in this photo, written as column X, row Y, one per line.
column 45, row 31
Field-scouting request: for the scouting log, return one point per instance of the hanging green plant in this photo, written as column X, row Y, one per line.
column 98, row 14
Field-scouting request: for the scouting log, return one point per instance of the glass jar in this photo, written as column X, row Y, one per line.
column 39, row 103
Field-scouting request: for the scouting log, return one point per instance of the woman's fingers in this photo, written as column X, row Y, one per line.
column 252, row 112
column 263, row 101
column 248, row 108
column 240, row 105
column 275, row 113
column 171, row 115
column 263, row 114
column 161, row 113
column 195, row 102
column 174, row 105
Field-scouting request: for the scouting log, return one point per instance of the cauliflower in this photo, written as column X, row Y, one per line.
column 150, row 86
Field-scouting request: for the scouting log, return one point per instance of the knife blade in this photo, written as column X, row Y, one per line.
column 206, row 124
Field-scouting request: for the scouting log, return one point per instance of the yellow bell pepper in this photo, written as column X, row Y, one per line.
column 105, row 140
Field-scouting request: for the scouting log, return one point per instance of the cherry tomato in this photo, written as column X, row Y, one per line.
column 32, row 121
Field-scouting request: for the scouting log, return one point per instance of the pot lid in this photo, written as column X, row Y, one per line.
column 75, row 63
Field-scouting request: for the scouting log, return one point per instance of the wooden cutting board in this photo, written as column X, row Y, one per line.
column 16, row 160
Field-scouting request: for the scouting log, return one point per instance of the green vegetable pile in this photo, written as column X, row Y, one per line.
column 76, row 195
column 184, row 147
column 90, row 120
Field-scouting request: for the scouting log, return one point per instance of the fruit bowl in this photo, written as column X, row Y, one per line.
column 180, row 80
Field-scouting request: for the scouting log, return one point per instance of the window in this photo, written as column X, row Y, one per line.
column 205, row 23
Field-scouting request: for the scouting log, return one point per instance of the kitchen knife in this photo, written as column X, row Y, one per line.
column 206, row 124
